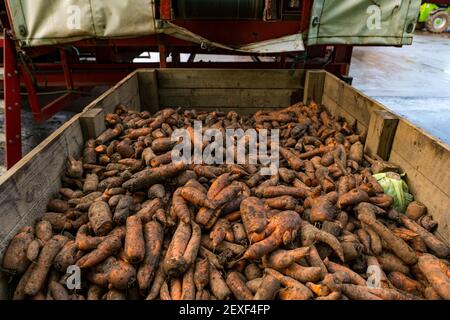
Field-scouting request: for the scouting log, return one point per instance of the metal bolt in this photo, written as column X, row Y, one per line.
column 10, row 141
column 17, row 137
column 16, row 104
column 410, row 28
column 315, row 22
column 9, row 75
column 9, row 108
column 23, row 31
column 16, row 72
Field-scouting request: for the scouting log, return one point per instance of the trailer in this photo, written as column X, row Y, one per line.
column 27, row 187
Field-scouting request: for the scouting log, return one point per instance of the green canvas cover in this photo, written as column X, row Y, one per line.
column 52, row 22
column 363, row 22
column 49, row 22
column 353, row 22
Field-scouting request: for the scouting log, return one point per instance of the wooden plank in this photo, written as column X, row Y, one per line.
column 148, row 89
column 92, row 123
column 428, row 192
column 334, row 88
column 351, row 100
column 239, row 110
column 381, row 133
column 216, row 98
column 314, row 86
column 229, row 78
column 425, row 153
column 126, row 92
column 426, row 161
column 359, row 104
column 337, row 111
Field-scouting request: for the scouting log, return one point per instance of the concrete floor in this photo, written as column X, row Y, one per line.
column 413, row 81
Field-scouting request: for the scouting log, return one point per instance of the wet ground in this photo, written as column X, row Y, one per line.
column 413, row 81
column 32, row 133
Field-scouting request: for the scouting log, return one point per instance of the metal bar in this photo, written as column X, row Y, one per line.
column 32, row 94
column 56, row 105
column 162, row 52
column 176, row 60
column 66, row 69
column 343, row 55
column 11, row 84
column 305, row 14
column 165, row 9
column 41, row 114
column 50, row 79
column 282, row 60
column 191, row 58
column 88, row 66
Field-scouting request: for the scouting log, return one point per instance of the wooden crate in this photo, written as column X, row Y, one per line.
column 26, row 188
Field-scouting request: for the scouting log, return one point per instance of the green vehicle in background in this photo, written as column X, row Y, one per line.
column 435, row 16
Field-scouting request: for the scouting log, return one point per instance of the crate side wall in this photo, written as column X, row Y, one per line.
column 27, row 187
column 244, row 91
column 424, row 159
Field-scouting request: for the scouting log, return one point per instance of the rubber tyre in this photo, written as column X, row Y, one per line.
column 432, row 26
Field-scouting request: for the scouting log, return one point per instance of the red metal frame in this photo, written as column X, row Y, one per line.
column 12, row 103
column 113, row 61
column 43, row 113
column 66, row 69
column 165, row 10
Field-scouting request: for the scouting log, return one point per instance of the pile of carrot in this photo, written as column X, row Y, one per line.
column 139, row 226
